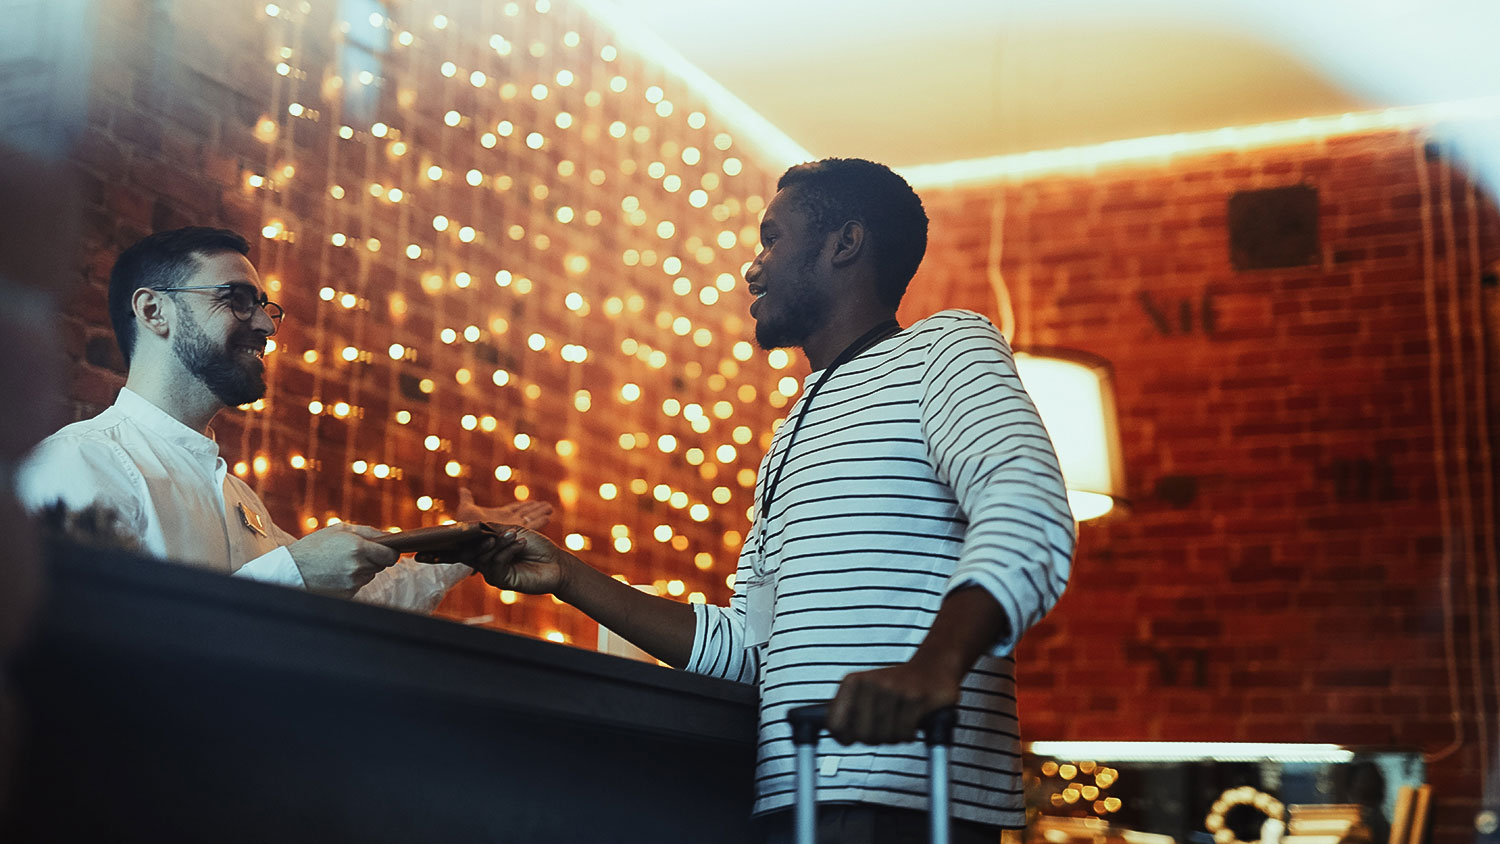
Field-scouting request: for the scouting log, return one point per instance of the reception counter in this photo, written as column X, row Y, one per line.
column 171, row 704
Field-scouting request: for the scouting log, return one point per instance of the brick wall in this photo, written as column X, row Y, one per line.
column 1297, row 499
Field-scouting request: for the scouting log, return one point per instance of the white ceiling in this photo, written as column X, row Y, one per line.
column 926, row 81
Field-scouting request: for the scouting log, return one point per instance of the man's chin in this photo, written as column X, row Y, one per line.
column 234, row 395
column 772, row 333
column 769, row 337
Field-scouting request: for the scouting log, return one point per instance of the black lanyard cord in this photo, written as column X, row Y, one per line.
column 852, row 351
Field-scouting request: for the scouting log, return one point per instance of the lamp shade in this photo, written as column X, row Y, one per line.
column 1075, row 396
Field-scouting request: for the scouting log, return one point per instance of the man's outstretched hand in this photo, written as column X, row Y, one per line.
column 532, row 515
column 522, row 561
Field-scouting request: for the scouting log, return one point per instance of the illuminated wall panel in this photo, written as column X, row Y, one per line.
column 511, row 257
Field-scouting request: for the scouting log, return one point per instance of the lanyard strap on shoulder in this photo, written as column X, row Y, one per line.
column 853, row 350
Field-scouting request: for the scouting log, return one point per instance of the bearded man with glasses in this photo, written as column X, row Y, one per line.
column 192, row 321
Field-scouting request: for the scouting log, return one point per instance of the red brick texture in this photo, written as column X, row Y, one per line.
column 1308, row 451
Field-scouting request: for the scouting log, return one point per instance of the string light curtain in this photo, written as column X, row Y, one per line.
column 511, row 253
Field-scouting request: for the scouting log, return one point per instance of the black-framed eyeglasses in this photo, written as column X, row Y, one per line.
column 243, row 301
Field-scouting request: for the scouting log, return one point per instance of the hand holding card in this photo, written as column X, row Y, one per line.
column 441, row 541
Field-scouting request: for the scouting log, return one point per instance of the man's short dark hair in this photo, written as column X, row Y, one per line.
column 164, row 259
column 834, row 191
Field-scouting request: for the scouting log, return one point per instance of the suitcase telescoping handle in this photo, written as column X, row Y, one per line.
column 808, row 723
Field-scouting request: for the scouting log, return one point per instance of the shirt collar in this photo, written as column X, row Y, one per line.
column 161, row 423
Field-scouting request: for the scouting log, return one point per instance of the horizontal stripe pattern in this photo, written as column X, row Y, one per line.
column 922, row 467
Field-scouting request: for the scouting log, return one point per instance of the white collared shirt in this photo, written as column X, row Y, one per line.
column 173, row 493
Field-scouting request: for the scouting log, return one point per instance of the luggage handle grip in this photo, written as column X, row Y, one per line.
column 808, row 722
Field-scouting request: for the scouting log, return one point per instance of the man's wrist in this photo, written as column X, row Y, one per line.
column 969, row 623
column 946, row 663
column 567, row 567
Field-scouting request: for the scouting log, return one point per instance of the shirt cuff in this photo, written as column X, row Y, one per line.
column 700, row 638
column 275, row 567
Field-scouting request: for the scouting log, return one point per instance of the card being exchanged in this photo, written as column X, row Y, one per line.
column 454, row 537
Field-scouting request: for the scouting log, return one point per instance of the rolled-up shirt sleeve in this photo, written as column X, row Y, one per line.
column 721, row 644
column 274, row 567
column 987, row 442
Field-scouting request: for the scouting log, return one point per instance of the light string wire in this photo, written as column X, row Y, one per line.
column 392, row 509
column 466, row 440
column 484, row 279
column 994, row 271
column 358, row 369
column 434, row 196
column 315, row 335
column 1004, row 68
column 1440, row 451
column 1461, row 454
column 272, row 363
column 1486, row 456
column 318, row 339
column 274, row 257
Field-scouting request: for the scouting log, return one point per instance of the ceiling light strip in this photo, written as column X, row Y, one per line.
column 1161, row 147
column 774, row 146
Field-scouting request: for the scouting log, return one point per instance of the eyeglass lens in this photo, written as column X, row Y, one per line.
column 243, row 300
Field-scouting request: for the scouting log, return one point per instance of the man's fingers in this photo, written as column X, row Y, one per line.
column 370, row 552
column 378, row 555
column 512, row 513
column 498, row 567
column 539, row 514
column 910, row 716
column 867, row 710
column 365, row 531
column 904, row 717
column 866, row 715
column 503, row 556
column 840, row 710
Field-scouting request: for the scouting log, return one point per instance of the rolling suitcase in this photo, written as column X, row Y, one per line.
column 808, row 723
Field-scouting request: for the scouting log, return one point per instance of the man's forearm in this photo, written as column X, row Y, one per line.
column 659, row 626
column 968, row 624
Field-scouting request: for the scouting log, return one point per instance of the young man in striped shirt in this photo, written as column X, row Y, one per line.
column 910, row 523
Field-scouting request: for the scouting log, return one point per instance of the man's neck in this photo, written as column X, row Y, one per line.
column 823, row 346
column 180, row 396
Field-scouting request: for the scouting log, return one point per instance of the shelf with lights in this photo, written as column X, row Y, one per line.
column 1143, row 792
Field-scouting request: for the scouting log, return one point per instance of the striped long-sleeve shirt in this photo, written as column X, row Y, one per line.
column 921, row 467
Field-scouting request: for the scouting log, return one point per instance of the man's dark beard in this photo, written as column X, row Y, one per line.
column 221, row 370
column 800, row 309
